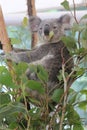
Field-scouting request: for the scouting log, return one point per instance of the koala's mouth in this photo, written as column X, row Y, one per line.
column 49, row 37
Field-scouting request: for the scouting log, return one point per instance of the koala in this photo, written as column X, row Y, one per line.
column 52, row 52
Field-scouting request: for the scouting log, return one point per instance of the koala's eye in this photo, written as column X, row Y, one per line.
column 40, row 28
column 54, row 27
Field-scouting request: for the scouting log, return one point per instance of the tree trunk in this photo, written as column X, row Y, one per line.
column 32, row 12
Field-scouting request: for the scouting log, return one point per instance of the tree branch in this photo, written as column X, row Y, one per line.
column 3, row 34
column 32, row 12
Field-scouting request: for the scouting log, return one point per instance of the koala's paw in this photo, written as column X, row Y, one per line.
column 31, row 75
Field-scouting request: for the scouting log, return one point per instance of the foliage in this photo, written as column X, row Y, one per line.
column 20, row 35
column 31, row 105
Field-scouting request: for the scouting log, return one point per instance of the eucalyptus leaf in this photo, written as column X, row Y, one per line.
column 34, row 101
column 42, row 73
column 65, row 4
column 70, row 42
column 35, row 85
column 13, row 125
column 51, row 35
column 83, row 105
column 25, row 22
column 72, row 98
column 84, row 34
column 80, row 51
column 57, row 95
column 12, row 109
column 78, row 127
column 5, row 76
column 20, row 70
column 15, row 41
column 84, row 91
column 4, row 98
column 76, row 28
column 72, row 116
column 79, row 71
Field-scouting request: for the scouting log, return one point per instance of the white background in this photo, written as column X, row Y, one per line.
column 9, row 6
column 15, row 10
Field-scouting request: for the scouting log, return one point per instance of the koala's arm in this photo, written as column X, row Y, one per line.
column 27, row 56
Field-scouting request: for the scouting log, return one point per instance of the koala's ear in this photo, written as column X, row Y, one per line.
column 65, row 20
column 34, row 22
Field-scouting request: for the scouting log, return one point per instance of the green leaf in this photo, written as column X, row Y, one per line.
column 76, row 28
column 65, row 4
column 4, row 98
column 20, row 70
column 2, row 68
column 56, row 127
column 25, row 22
column 84, row 34
column 69, row 42
column 42, row 73
column 57, row 95
column 72, row 116
column 79, row 71
column 84, row 92
column 35, row 101
column 12, row 109
column 78, row 127
column 83, row 105
column 15, row 41
column 5, row 77
column 79, row 51
column 13, row 125
column 35, row 85
column 72, row 97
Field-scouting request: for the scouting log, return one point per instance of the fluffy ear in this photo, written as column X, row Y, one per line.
column 65, row 20
column 34, row 22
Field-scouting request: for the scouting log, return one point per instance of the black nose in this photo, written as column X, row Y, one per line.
column 46, row 29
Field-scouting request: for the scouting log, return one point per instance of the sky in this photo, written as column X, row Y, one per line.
column 12, row 6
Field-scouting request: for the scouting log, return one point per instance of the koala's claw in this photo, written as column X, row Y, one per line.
column 31, row 75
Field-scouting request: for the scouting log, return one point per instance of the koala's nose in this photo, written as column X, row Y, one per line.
column 46, row 29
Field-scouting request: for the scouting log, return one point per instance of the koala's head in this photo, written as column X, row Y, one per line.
column 49, row 30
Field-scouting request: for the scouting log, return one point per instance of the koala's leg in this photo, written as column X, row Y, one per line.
column 32, row 75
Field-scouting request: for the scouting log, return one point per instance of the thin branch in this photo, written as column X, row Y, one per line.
column 74, row 9
column 74, row 16
column 65, row 97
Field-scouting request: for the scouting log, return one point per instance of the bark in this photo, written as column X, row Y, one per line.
column 32, row 12
column 5, row 41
